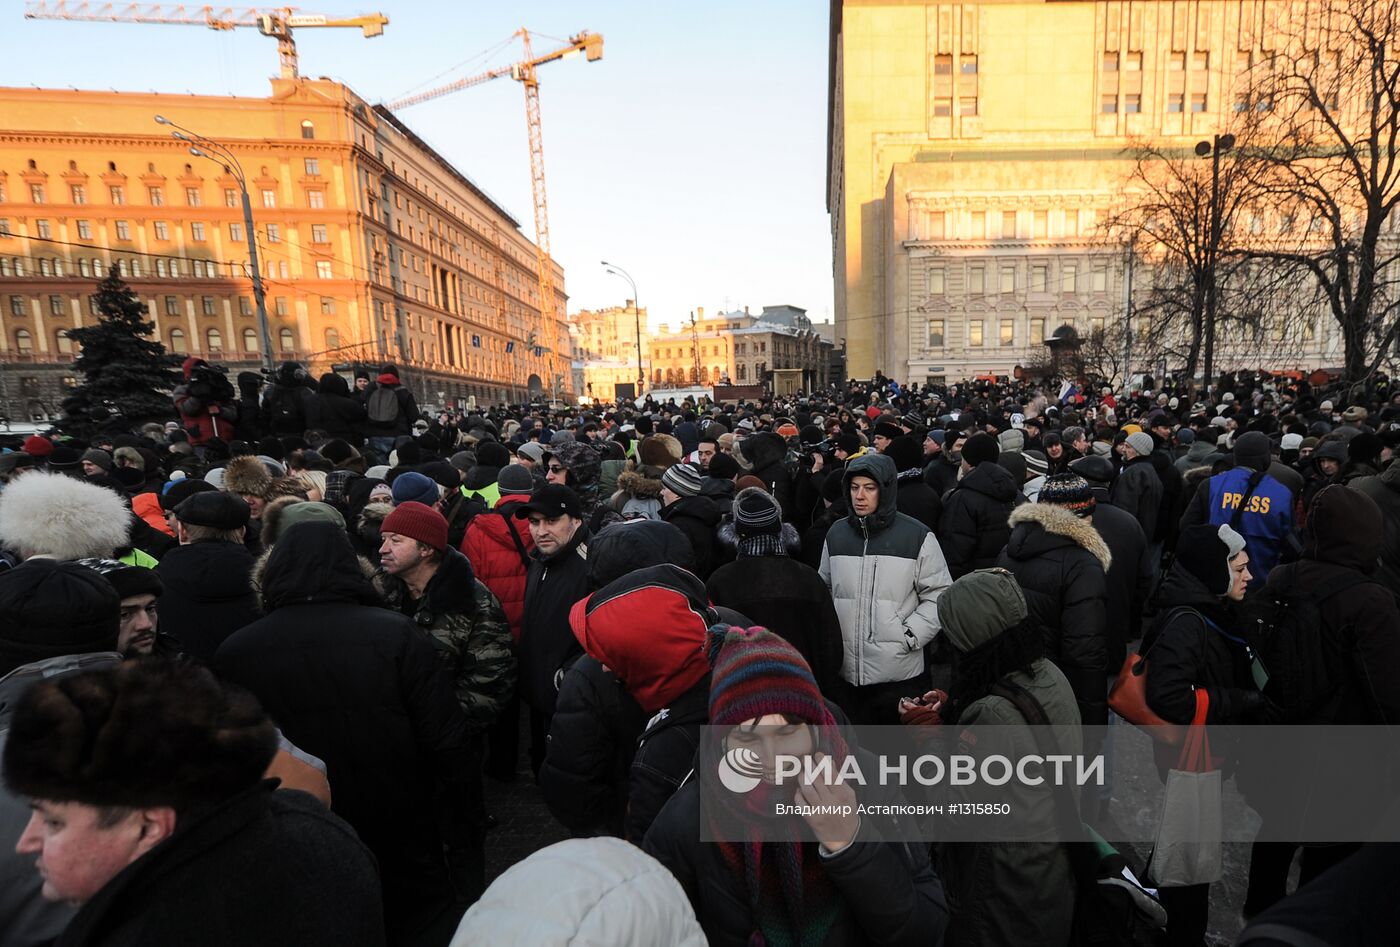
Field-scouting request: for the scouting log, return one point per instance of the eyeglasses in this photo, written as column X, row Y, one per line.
column 555, row 468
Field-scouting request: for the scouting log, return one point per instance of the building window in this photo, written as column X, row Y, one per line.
column 1198, row 102
column 327, row 306
column 1110, row 62
column 157, row 196
column 4, row 227
column 1008, row 280
column 177, row 341
column 1069, row 274
column 162, row 230
column 284, row 340
column 974, row 333
column 235, row 232
column 92, row 305
column 1008, row 332
column 316, row 200
column 78, row 193
column 118, row 194
column 192, row 196
column 197, row 232
column 1175, row 103
column 230, row 197
column 56, row 305
column 313, row 167
column 42, row 228
column 1200, row 62
column 1108, row 104
column 1100, row 279
column 976, row 281
column 214, row 340
column 1041, row 221
column 308, row 130
column 332, row 339
column 84, row 230
column 935, row 281
column 274, row 233
column 17, row 306
column 172, row 305
column 269, row 197
column 245, row 306
column 1096, row 325
column 207, row 304
column 24, row 341
column 280, row 305
column 36, row 193
column 318, row 234
column 250, row 340
column 1037, row 331
column 1071, row 223
column 1132, row 103
column 1038, row 277
column 123, row 230
column 935, row 333
column 1008, row 224
column 323, row 269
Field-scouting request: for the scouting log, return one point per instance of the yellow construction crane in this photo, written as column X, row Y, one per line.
column 524, row 72
column 277, row 22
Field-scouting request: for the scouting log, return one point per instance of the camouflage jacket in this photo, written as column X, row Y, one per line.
column 470, row 631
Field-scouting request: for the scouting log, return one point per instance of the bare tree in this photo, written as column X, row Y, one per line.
column 1328, row 99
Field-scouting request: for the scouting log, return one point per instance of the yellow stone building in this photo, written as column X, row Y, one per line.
column 373, row 247
column 606, row 343
column 975, row 148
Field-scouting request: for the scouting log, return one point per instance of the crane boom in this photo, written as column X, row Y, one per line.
column 524, row 72
column 276, row 22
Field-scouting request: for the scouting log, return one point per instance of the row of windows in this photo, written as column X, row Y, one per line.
column 1070, row 280
column 160, row 230
column 976, row 335
column 213, row 341
column 155, row 195
column 927, row 224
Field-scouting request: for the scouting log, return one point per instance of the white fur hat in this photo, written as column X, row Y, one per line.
column 47, row 514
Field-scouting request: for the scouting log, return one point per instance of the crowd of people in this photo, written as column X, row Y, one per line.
column 257, row 661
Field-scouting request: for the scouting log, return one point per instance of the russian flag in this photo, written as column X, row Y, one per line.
column 1067, row 391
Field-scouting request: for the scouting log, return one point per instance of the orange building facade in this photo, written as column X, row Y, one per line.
column 372, row 247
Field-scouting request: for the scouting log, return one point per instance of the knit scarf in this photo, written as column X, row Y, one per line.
column 764, row 544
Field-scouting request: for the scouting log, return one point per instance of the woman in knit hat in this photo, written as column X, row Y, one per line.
column 833, row 879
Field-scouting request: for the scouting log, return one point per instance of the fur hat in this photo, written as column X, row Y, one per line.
column 131, row 457
column 659, row 450
column 247, row 476
column 53, row 515
column 143, row 733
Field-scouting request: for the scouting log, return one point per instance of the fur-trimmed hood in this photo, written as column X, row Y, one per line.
column 48, row 514
column 659, row 450
column 728, row 537
column 255, row 575
column 637, row 484
column 1059, row 522
column 247, row 476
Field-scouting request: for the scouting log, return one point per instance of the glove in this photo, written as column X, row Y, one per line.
column 1254, row 707
column 925, row 711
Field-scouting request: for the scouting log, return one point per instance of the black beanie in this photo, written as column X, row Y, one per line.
column 849, row 443
column 1364, row 448
column 756, row 514
column 492, row 454
column 1205, row 552
column 50, row 608
column 723, row 467
column 980, row 448
column 906, row 453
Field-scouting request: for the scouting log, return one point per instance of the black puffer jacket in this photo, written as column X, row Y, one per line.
column 207, row 595
column 1130, row 578
column 697, row 517
column 547, row 643
column 664, row 759
column 333, row 410
column 1060, row 563
column 941, row 474
column 363, row 689
column 973, row 528
column 1385, row 491
column 916, row 498
column 767, row 452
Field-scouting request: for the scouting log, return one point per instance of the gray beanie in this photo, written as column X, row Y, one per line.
column 1141, row 442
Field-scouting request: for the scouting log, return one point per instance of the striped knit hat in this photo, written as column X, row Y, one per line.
column 756, row 513
column 1070, row 491
column 682, row 479
column 757, row 673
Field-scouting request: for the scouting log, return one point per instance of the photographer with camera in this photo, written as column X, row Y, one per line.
column 206, row 403
column 283, row 411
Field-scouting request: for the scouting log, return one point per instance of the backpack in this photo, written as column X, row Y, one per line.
column 383, row 406
column 285, row 408
column 1306, row 663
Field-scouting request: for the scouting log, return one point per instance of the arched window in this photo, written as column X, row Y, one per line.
column 656, row 377
column 177, row 342
column 743, row 372
column 670, row 375
column 308, row 130
column 284, row 340
column 694, row 376
column 332, row 339
column 214, row 340
column 65, row 344
column 24, row 342
column 250, row 340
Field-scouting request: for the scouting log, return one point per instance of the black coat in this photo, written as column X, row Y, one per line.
column 207, row 595
column 263, row 867
column 1130, row 578
column 338, row 414
column 697, row 517
column 790, row 599
column 973, row 527
column 1138, row 490
column 592, row 740
column 889, row 892
column 547, row 643
column 767, row 452
column 665, row 757
column 1060, row 562
column 914, row 497
column 363, row 689
column 941, row 474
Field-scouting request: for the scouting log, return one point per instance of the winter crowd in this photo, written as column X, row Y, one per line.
column 258, row 661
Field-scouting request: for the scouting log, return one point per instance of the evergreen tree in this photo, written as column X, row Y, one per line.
column 124, row 373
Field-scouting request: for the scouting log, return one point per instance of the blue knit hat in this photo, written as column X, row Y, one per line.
column 417, row 488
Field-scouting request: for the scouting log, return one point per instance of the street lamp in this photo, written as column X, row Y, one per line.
column 202, row 147
column 637, row 309
column 1212, row 149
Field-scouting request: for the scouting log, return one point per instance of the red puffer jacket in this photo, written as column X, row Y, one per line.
column 497, row 560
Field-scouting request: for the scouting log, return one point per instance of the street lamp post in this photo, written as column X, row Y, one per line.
column 637, row 310
column 202, row 147
column 1213, row 149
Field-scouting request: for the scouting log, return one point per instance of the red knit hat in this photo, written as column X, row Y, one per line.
column 36, row 446
column 416, row 521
